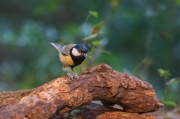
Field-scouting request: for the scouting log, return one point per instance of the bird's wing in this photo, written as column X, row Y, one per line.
column 57, row 46
column 66, row 49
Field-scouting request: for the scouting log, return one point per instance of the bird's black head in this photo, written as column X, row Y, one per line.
column 81, row 48
column 78, row 53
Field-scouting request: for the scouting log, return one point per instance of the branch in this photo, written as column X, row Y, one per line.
column 103, row 83
column 9, row 97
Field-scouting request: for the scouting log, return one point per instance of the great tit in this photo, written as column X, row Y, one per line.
column 71, row 56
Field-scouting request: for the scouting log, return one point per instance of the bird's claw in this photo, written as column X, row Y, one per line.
column 76, row 76
column 70, row 76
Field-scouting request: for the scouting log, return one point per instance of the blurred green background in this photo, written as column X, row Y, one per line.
column 137, row 37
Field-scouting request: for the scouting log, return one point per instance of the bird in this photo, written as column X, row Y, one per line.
column 71, row 55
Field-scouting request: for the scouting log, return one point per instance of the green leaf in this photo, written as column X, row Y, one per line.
column 170, row 103
column 178, row 2
column 95, row 14
column 96, row 28
column 164, row 73
column 173, row 81
column 96, row 43
column 74, row 112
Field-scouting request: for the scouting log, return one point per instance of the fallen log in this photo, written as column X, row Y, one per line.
column 63, row 95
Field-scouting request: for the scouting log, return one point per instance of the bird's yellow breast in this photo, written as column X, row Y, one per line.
column 66, row 60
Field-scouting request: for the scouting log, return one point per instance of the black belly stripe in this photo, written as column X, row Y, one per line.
column 77, row 60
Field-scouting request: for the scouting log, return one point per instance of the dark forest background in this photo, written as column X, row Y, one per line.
column 138, row 37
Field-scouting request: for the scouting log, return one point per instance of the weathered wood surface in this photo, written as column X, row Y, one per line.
column 62, row 95
column 96, row 111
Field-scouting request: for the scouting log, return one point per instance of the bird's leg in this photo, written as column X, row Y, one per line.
column 69, row 75
column 75, row 75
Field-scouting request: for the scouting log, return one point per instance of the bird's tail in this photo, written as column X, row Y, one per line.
column 57, row 46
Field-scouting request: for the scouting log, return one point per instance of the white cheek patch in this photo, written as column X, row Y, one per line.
column 75, row 52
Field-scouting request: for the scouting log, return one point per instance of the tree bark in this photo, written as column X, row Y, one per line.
column 63, row 95
column 96, row 111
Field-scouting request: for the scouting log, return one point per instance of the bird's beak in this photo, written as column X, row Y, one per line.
column 57, row 46
column 85, row 54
